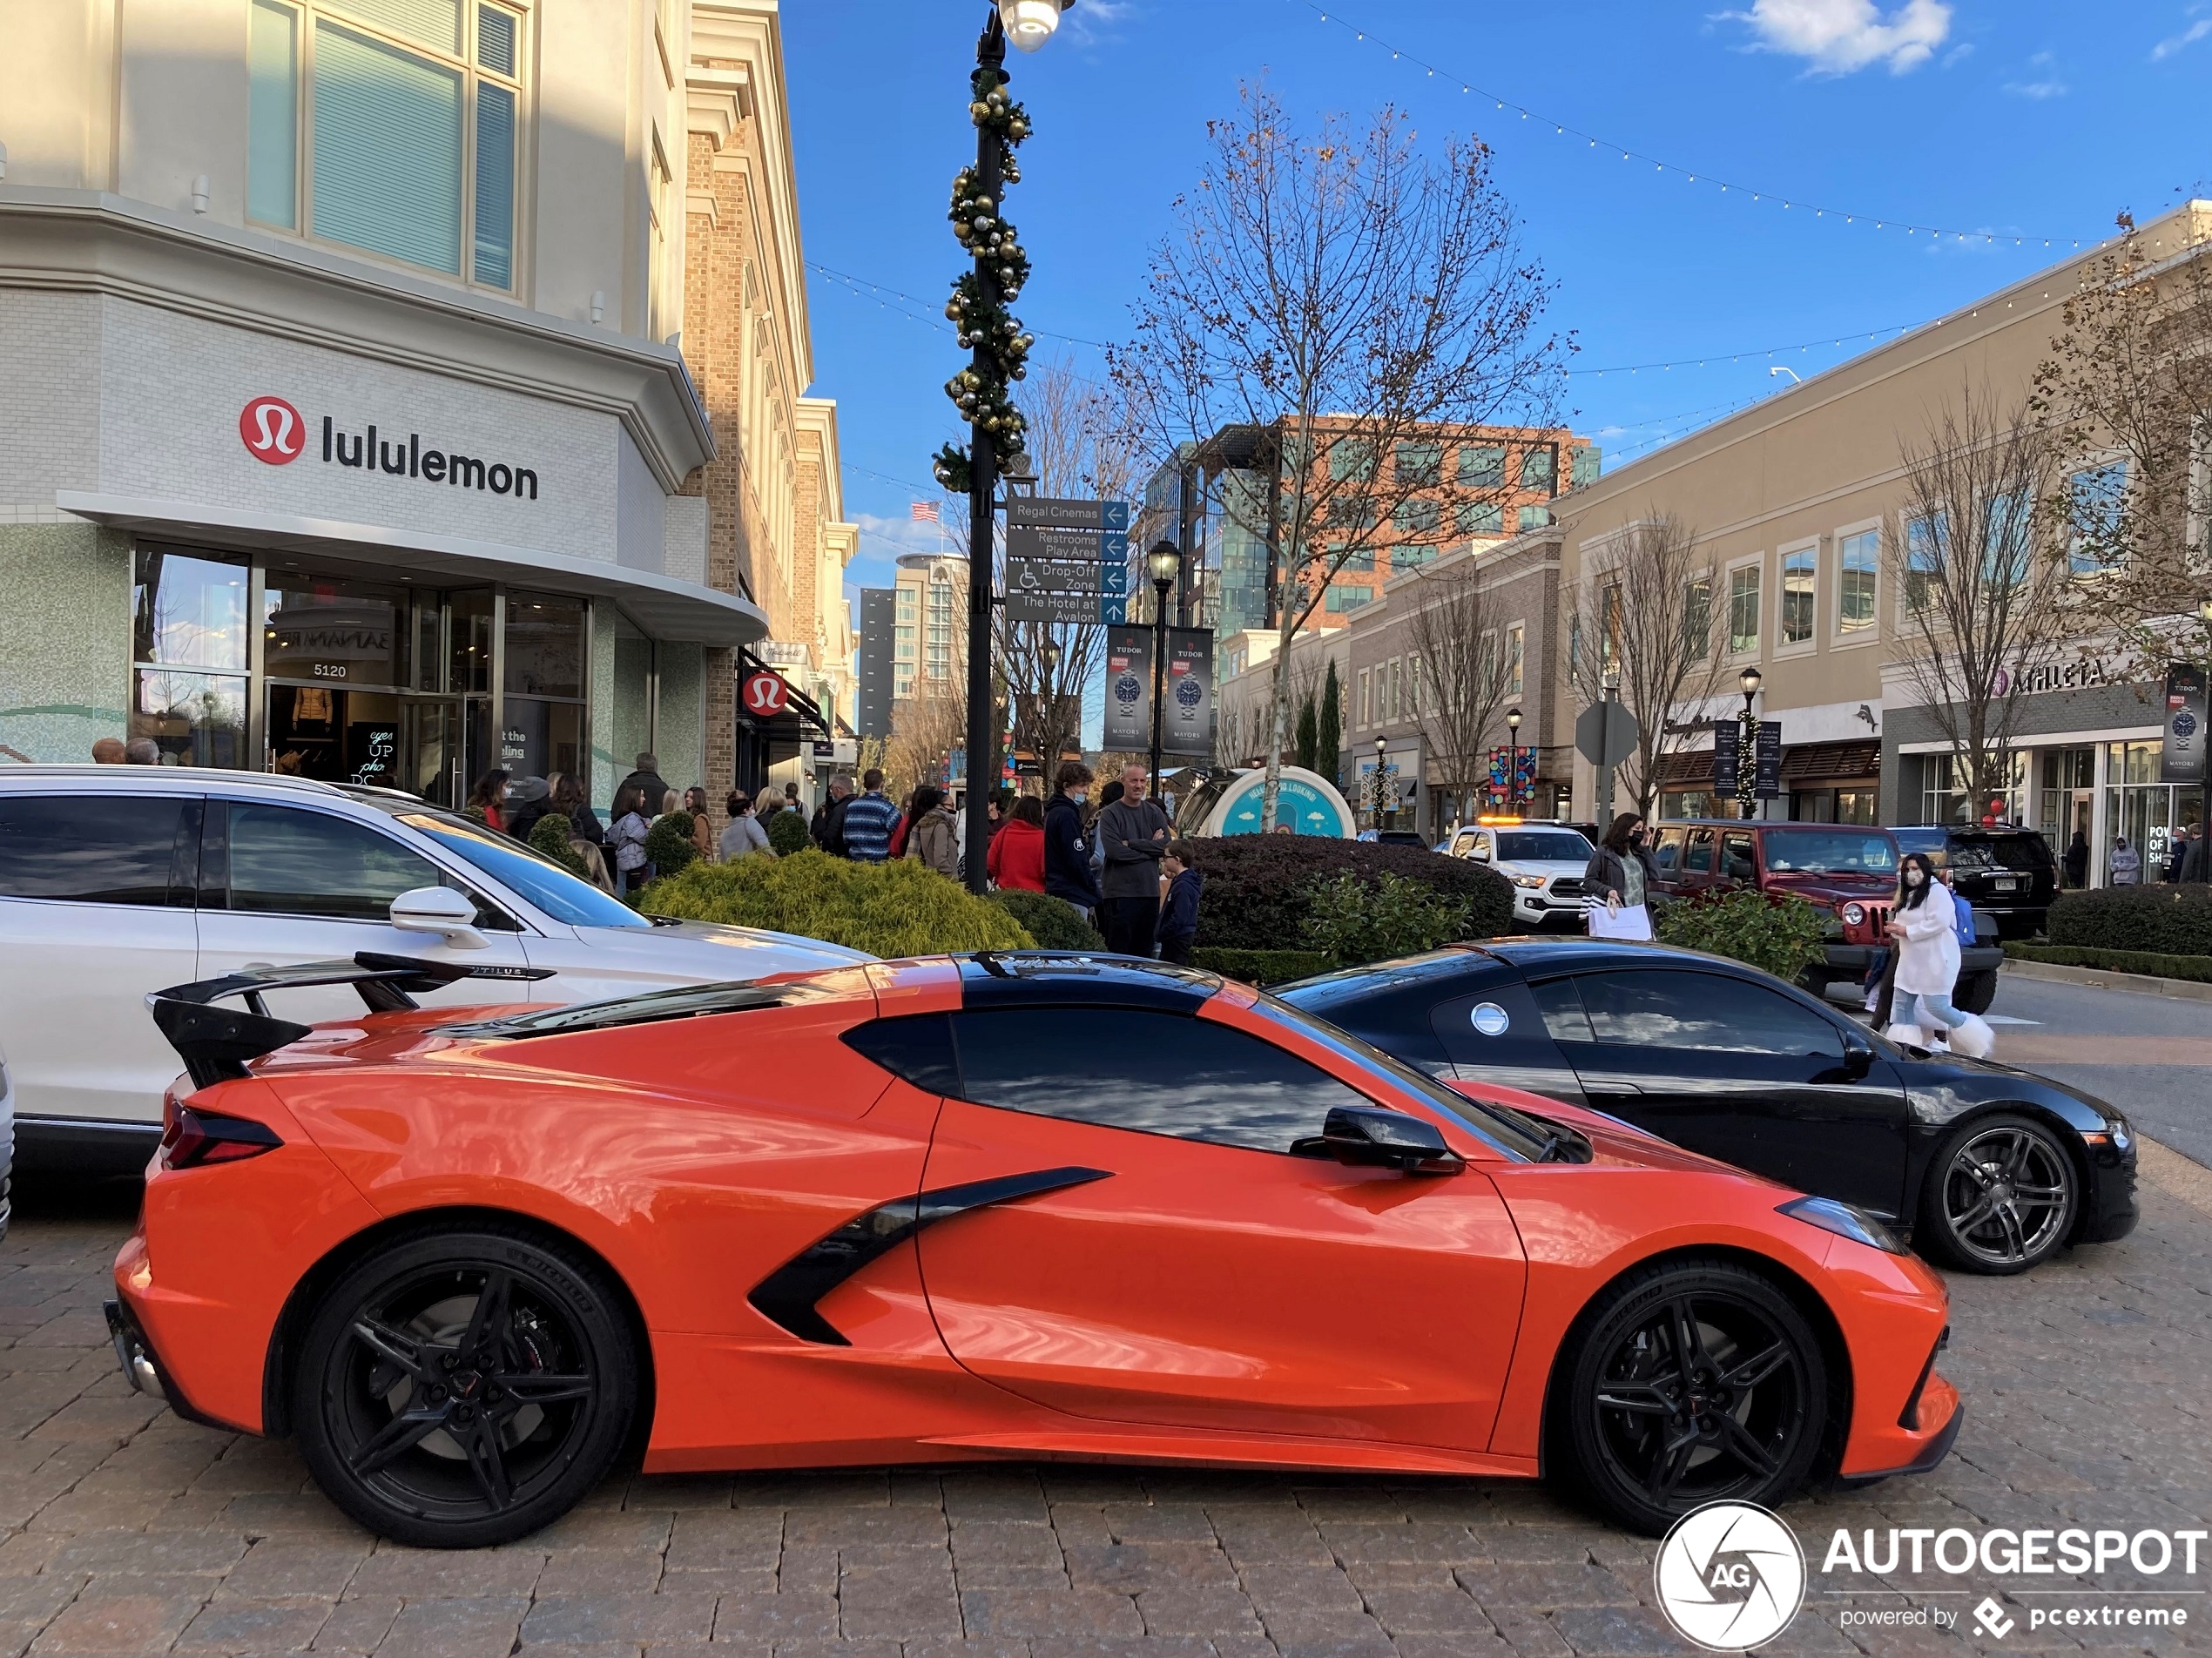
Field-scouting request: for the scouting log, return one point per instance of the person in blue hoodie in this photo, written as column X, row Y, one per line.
column 1068, row 872
column 1179, row 928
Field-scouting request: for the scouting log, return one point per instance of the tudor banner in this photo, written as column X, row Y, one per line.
column 2183, row 759
column 1187, row 726
column 1129, row 690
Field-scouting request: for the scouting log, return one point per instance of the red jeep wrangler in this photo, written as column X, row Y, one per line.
column 1847, row 870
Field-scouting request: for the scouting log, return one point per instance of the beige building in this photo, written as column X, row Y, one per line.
column 345, row 422
column 1788, row 501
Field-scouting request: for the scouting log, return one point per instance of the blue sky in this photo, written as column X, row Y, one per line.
column 2002, row 119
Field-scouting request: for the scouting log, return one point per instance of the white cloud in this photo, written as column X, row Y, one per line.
column 1840, row 36
column 2045, row 84
column 2187, row 38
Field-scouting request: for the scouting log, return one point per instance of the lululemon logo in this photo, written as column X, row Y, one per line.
column 1730, row 1576
column 271, row 431
column 765, row 694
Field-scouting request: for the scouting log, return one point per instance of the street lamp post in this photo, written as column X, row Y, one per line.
column 2204, row 812
column 998, row 348
column 1164, row 563
column 1747, row 746
column 1375, row 788
column 1512, row 757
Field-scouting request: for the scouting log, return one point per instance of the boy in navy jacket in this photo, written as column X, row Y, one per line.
column 1178, row 927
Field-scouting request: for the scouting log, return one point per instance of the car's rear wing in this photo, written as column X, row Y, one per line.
column 217, row 1044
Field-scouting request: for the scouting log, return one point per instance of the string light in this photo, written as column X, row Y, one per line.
column 1560, row 129
column 868, row 290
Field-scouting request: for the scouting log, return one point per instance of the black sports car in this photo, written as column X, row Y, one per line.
column 1989, row 1169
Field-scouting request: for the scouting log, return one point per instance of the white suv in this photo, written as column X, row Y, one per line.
column 1544, row 861
column 120, row 880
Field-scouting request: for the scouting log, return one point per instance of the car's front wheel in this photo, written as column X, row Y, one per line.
column 1692, row 1382
column 462, row 1388
column 1999, row 1197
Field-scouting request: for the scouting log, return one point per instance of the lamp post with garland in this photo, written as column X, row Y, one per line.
column 999, row 350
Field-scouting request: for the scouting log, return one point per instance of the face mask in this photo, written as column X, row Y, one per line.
column 1913, row 877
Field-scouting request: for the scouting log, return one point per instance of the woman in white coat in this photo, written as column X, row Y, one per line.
column 1925, row 925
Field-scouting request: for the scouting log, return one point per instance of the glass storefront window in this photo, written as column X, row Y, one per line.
column 2144, row 810
column 333, row 632
column 195, row 718
column 541, row 738
column 188, row 612
column 544, row 645
column 469, row 668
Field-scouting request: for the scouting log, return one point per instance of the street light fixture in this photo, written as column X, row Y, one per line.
column 1513, row 756
column 1164, row 563
column 1375, row 793
column 1029, row 23
column 1747, row 745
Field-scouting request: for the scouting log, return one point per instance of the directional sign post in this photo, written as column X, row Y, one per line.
column 1067, row 561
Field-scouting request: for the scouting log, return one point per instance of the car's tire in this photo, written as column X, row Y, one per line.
column 464, row 1387
column 1689, row 1382
column 1975, row 992
column 2000, row 1195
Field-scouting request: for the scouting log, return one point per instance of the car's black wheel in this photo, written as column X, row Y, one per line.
column 1975, row 992
column 1999, row 1197
column 1691, row 1382
column 461, row 1388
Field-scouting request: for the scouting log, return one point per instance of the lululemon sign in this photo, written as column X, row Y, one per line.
column 272, row 431
column 764, row 695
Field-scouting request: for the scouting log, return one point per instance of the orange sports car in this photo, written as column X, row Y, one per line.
column 1029, row 1206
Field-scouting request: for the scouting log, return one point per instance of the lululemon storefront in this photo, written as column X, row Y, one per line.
column 383, row 536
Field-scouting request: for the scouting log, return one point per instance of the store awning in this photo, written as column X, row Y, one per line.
column 1841, row 760
column 664, row 607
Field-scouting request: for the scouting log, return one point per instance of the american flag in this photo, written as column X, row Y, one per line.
column 924, row 512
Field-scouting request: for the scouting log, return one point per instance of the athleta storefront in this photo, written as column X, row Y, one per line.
column 375, row 536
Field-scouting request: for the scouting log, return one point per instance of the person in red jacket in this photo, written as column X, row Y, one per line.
column 1016, row 861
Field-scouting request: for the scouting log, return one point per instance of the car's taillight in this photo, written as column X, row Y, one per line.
column 190, row 1139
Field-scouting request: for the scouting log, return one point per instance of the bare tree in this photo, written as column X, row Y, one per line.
column 1454, row 626
column 1348, row 296
column 1980, row 576
column 1644, row 615
column 2128, row 386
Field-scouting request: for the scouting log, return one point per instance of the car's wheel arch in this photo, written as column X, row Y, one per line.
column 2067, row 1133
column 1802, row 1295
column 279, row 1363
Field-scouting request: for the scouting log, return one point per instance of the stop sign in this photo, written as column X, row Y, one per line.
column 765, row 695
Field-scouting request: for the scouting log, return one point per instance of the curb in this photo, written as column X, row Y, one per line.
column 2142, row 984
column 2174, row 1174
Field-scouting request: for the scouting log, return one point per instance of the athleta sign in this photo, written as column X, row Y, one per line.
column 273, row 433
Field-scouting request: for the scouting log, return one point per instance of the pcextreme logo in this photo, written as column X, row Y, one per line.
column 1730, row 1576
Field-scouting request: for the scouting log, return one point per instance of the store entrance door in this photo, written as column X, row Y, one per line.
column 377, row 738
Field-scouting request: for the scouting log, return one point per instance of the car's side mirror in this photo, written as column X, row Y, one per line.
column 1375, row 1139
column 1858, row 1056
column 441, row 910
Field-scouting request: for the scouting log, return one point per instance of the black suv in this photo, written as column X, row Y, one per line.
column 2006, row 872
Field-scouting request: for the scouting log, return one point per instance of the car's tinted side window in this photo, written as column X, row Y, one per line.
column 1704, row 1011
column 100, row 849
column 1697, row 856
column 1156, row 1073
column 287, row 860
column 1667, row 856
column 1560, row 1006
column 916, row 1048
column 1736, row 857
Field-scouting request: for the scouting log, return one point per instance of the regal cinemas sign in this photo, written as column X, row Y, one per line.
column 274, row 434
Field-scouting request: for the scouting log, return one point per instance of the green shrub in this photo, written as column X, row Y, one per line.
column 1053, row 922
column 788, row 833
column 1261, row 967
column 668, row 844
column 2150, row 962
column 2166, row 920
column 1778, row 932
column 1354, row 920
column 891, row 909
column 550, row 835
column 1255, row 894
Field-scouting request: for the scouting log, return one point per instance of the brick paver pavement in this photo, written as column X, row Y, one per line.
column 126, row 1531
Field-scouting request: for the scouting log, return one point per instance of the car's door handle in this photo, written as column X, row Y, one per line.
column 1608, row 1089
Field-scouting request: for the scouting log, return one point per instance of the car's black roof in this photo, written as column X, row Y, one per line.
column 1013, row 978
column 1966, row 831
column 1516, row 958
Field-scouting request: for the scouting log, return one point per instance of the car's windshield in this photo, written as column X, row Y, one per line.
column 2022, row 853
column 1549, row 846
column 564, row 896
column 1830, row 852
column 1508, row 1133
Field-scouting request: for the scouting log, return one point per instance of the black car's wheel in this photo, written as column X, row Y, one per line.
column 462, row 1388
column 1999, row 1197
column 1693, row 1381
column 1975, row 992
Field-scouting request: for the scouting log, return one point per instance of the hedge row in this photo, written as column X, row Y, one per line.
column 891, row 909
column 1258, row 887
column 2164, row 920
column 1261, row 967
column 2150, row 963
